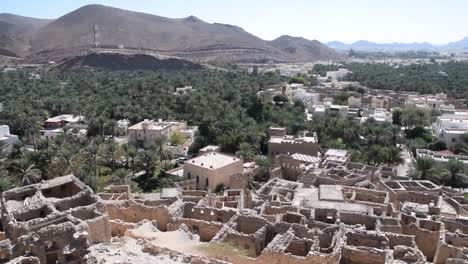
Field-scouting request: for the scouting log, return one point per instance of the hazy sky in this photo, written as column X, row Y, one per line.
column 435, row 21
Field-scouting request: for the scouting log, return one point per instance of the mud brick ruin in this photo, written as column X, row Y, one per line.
column 53, row 221
column 336, row 213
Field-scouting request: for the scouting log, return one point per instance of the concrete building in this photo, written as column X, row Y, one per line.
column 209, row 148
column 441, row 156
column 5, row 137
column 450, row 128
column 183, row 90
column 122, row 126
column 304, row 96
column 378, row 114
column 212, row 169
column 306, row 144
column 145, row 132
column 62, row 120
column 339, row 156
column 337, row 75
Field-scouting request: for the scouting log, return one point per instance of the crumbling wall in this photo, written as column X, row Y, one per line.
column 325, row 215
column 426, row 240
column 119, row 227
column 129, row 211
column 349, row 218
column 372, row 240
column 389, row 225
column 400, row 240
column 55, row 220
column 207, row 214
column 353, row 255
column 99, row 229
column 206, row 230
column 450, row 246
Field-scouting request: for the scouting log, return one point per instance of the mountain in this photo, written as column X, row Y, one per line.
column 111, row 28
column 363, row 45
column 461, row 44
column 304, row 49
column 15, row 32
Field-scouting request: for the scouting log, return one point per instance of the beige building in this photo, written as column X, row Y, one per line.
column 277, row 131
column 145, row 132
column 212, row 169
column 307, row 145
column 354, row 102
column 379, row 102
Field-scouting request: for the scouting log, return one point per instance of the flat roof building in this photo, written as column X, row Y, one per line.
column 146, row 131
column 5, row 137
column 307, row 144
column 212, row 169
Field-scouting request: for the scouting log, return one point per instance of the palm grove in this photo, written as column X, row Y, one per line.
column 223, row 105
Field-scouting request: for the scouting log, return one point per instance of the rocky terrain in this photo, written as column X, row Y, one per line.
column 303, row 49
column 120, row 61
column 112, row 28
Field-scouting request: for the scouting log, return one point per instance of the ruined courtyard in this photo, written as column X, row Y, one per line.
column 283, row 221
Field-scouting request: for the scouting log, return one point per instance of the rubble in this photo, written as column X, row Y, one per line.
column 282, row 221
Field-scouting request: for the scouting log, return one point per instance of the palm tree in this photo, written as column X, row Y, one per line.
column 159, row 146
column 93, row 182
column 424, row 167
column 246, row 151
column 264, row 165
column 25, row 170
column 111, row 153
column 374, row 155
column 91, row 155
column 33, row 125
column 125, row 149
column 6, row 182
column 121, row 176
column 132, row 154
column 65, row 157
column 455, row 176
column 393, row 156
column 147, row 160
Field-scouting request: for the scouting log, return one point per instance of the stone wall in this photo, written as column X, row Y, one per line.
column 129, row 211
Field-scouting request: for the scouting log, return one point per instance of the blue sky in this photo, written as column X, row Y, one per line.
column 435, row 21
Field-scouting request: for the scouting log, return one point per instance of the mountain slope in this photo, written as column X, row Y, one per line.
column 303, row 49
column 461, row 44
column 121, row 28
column 15, row 32
column 363, row 45
column 107, row 28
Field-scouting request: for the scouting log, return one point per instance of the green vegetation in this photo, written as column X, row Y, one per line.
column 370, row 142
column 224, row 106
column 448, row 77
column 452, row 173
column 177, row 139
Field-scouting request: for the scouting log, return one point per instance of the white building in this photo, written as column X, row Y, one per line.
column 5, row 137
column 450, row 128
column 378, row 114
column 336, row 155
column 304, row 96
column 441, row 156
column 337, row 75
